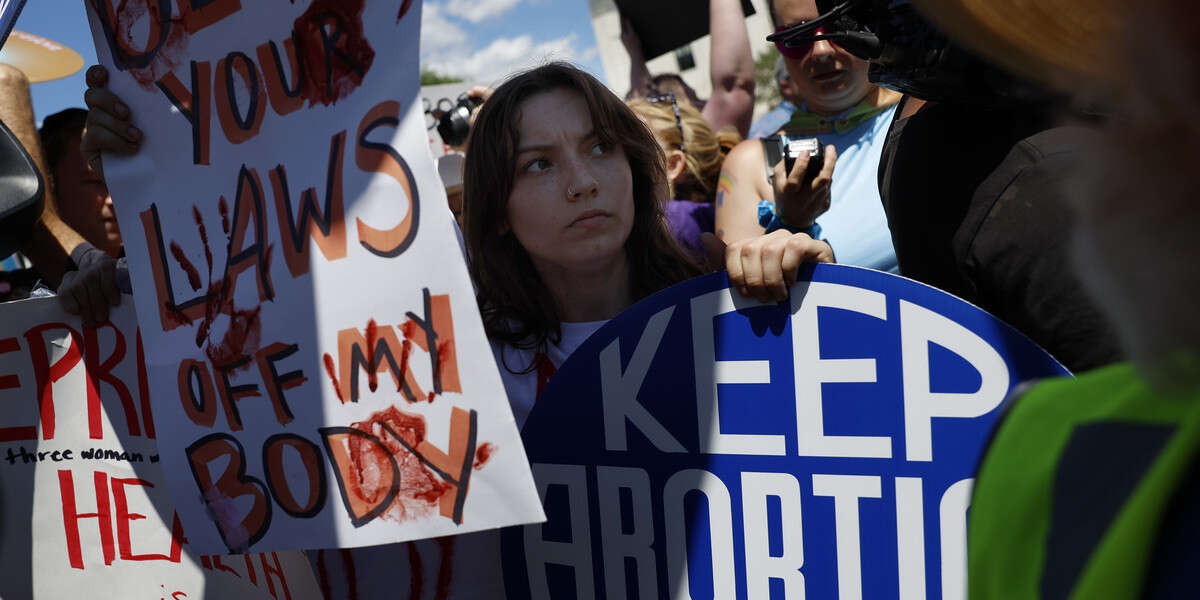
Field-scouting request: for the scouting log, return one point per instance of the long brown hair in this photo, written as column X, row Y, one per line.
column 516, row 305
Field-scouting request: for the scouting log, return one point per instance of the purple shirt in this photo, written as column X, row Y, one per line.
column 687, row 220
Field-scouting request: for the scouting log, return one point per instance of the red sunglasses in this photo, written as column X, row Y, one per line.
column 801, row 50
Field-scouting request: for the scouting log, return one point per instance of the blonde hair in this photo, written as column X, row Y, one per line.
column 704, row 151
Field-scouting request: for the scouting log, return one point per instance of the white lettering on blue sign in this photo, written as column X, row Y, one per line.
column 910, row 537
column 577, row 553
column 920, row 327
column 720, row 523
column 636, row 544
column 761, row 566
column 678, row 472
column 846, row 491
column 952, row 514
column 711, row 372
column 619, row 390
column 811, row 371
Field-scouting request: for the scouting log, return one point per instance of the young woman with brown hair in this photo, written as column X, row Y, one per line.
column 565, row 189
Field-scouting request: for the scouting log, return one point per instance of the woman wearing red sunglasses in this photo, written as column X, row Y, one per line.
column 843, row 110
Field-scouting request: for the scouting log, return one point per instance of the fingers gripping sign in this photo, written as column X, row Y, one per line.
column 765, row 267
column 109, row 126
column 92, row 288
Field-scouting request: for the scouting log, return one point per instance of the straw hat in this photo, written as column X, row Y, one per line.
column 39, row 58
column 1059, row 42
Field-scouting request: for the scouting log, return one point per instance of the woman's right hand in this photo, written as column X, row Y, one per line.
column 765, row 267
column 109, row 126
column 797, row 202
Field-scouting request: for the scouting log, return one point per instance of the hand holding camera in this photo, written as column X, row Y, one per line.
column 801, row 177
column 454, row 124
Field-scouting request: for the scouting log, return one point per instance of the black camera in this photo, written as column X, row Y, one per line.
column 455, row 124
column 781, row 147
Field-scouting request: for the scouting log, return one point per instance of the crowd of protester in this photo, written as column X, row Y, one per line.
column 1066, row 210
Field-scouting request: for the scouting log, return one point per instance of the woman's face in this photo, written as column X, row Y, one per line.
column 824, row 75
column 571, row 205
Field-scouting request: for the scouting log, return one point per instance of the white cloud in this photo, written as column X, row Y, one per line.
column 479, row 10
column 502, row 57
column 437, row 32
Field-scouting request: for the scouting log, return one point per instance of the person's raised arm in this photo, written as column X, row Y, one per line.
column 731, row 67
column 639, row 73
column 85, row 277
column 742, row 185
column 51, row 241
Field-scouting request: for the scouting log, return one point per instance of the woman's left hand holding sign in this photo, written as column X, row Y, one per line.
column 110, row 126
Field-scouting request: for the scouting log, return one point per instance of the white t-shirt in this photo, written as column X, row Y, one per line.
column 459, row 567
column 522, row 388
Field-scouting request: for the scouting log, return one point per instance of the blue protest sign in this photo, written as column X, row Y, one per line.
column 704, row 445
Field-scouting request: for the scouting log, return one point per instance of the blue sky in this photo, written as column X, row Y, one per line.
column 480, row 40
column 62, row 21
column 483, row 40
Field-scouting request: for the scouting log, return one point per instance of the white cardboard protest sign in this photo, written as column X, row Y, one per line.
column 289, row 242
column 83, row 505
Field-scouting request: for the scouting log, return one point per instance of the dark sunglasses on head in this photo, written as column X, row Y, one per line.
column 675, row 108
column 799, row 51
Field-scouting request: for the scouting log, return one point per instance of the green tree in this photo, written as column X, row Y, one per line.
column 431, row 77
column 766, row 91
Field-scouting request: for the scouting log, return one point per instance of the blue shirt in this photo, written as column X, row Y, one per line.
column 772, row 121
column 855, row 224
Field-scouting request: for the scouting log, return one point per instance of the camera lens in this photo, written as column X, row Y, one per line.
column 455, row 125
